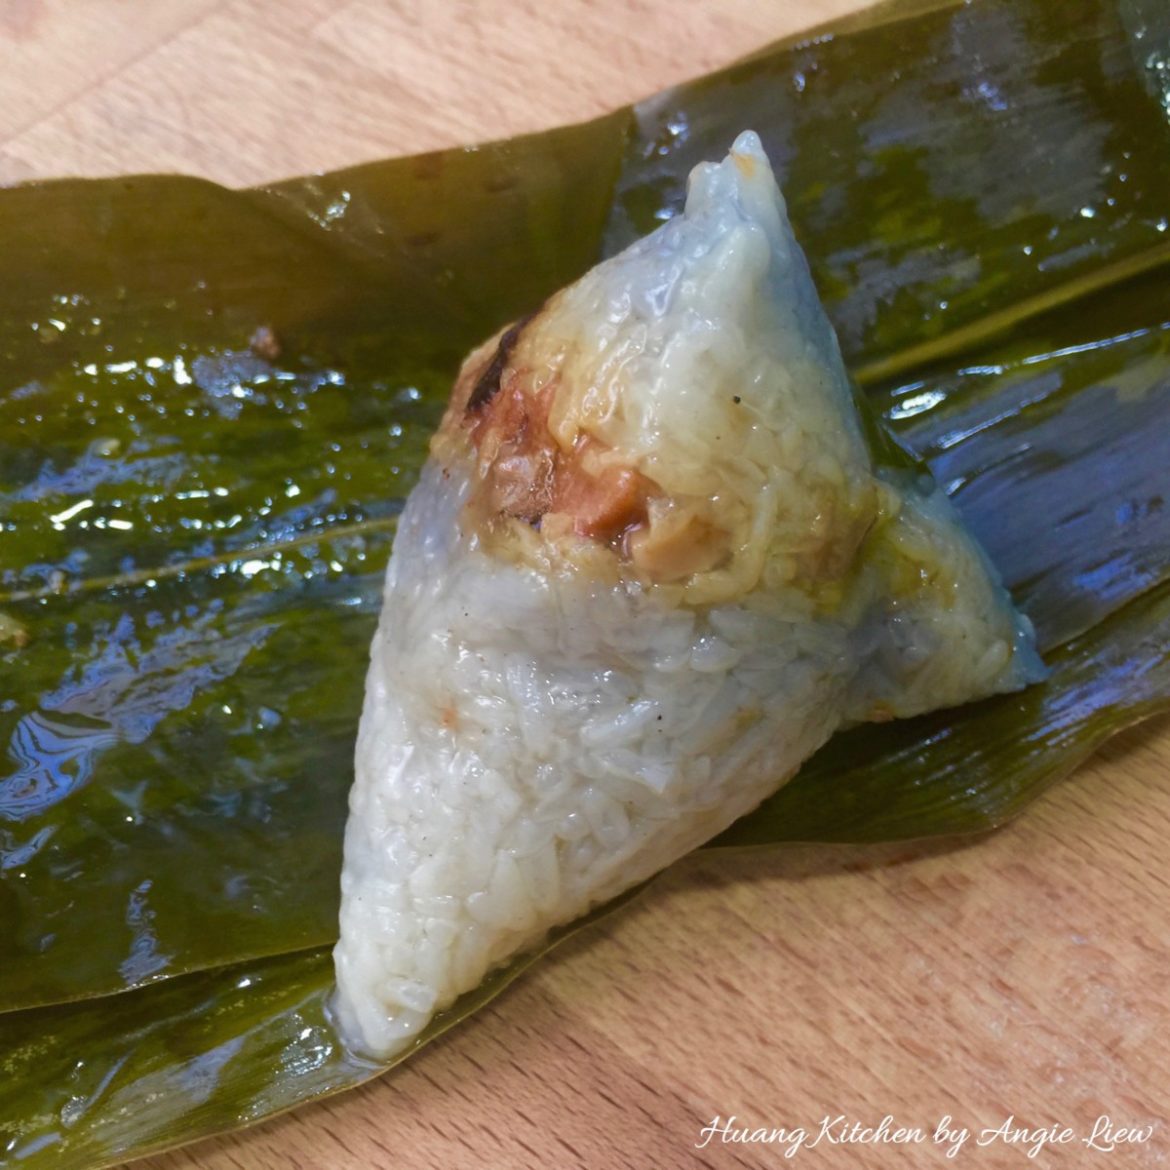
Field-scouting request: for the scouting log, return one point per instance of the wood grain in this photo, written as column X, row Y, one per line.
column 249, row 90
column 1024, row 974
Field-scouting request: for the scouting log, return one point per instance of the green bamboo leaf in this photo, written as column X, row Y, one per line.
column 195, row 528
column 948, row 174
column 1054, row 445
column 158, row 777
column 194, row 1056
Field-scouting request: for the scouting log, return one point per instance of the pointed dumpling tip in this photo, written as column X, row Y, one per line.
column 743, row 180
column 747, row 152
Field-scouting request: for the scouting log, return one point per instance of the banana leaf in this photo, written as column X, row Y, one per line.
column 246, row 380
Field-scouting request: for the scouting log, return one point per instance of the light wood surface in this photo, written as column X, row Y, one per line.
column 1023, row 975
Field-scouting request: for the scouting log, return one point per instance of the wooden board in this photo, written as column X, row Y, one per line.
column 1021, row 976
